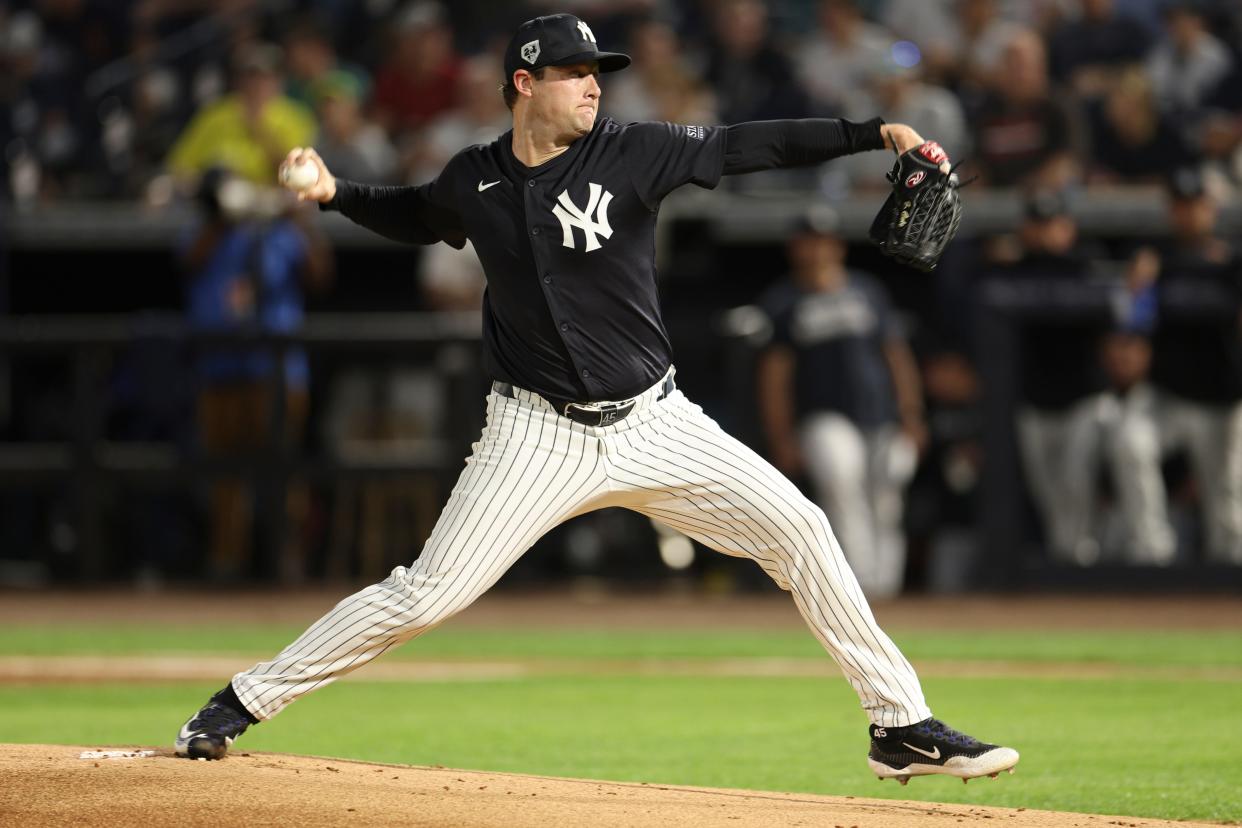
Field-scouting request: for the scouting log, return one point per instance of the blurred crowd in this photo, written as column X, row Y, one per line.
column 105, row 98
column 1126, row 362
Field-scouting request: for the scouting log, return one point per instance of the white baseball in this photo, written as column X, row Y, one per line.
column 298, row 177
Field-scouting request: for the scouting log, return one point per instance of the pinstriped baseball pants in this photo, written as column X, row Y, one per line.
column 533, row 469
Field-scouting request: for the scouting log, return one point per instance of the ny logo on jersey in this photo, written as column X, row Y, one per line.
column 587, row 34
column 570, row 217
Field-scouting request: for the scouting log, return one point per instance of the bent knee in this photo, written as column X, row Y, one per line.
column 422, row 598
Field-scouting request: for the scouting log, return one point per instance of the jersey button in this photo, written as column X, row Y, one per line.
column 530, row 183
column 547, row 280
column 564, row 326
column 585, row 373
column 535, row 232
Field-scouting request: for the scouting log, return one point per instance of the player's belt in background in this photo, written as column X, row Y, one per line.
column 592, row 414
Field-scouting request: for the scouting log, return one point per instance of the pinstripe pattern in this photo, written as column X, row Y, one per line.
column 699, row 480
column 532, row 469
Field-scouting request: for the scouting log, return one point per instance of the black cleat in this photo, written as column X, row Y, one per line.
column 931, row 746
column 209, row 732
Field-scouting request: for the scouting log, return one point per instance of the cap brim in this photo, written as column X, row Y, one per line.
column 608, row 61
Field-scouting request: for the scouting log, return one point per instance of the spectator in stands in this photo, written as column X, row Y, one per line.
column 247, row 265
column 1024, row 135
column 49, row 134
column 751, row 78
column 1220, row 134
column 958, row 39
column 1197, row 364
column 931, row 25
column 839, row 396
column 1186, row 66
column 1085, row 53
column 480, row 117
column 1132, row 141
column 901, row 97
column 835, row 61
column 984, row 35
column 157, row 112
column 250, row 131
column 1059, row 382
column 659, row 86
column 347, row 140
column 422, row 76
column 311, row 56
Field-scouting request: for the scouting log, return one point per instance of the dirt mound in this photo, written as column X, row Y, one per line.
column 53, row 785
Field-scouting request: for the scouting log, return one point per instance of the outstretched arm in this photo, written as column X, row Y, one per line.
column 767, row 145
column 404, row 214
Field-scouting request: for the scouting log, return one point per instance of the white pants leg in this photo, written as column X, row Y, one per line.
column 680, row 468
column 862, row 496
column 1228, row 549
column 533, row 469
column 1060, row 453
column 1133, row 446
column 1213, row 436
column 530, row 470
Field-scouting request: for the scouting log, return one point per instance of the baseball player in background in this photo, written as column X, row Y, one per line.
column 584, row 412
column 839, row 396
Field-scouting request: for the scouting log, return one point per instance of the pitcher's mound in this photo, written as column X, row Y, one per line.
column 125, row 785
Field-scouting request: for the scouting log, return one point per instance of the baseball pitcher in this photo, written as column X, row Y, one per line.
column 584, row 411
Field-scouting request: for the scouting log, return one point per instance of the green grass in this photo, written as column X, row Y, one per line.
column 1156, row 747
column 1139, row 648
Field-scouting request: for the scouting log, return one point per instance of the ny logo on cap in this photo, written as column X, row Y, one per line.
column 587, row 34
column 572, row 216
column 530, row 52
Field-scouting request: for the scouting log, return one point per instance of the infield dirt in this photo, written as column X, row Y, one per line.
column 51, row 785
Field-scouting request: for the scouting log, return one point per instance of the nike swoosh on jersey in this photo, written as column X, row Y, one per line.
column 932, row 754
column 483, row 186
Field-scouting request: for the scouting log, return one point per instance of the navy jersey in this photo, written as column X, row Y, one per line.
column 571, row 309
column 838, row 341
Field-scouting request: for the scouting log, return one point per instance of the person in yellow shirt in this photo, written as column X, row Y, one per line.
column 249, row 131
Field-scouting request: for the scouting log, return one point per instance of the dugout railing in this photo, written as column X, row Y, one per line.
column 85, row 466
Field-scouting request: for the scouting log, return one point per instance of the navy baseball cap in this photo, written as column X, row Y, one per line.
column 557, row 40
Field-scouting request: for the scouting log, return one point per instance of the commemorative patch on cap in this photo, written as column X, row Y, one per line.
column 557, row 40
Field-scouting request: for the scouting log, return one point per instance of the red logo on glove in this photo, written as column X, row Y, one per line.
column 915, row 178
column 933, row 152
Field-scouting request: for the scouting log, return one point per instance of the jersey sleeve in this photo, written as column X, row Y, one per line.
column 424, row 214
column 662, row 156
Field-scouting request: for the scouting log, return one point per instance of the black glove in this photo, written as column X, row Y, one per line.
column 920, row 217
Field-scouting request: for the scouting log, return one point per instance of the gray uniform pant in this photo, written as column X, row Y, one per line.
column 1151, row 426
column 860, row 476
column 1060, row 452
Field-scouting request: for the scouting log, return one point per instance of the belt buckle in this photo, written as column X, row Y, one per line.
column 606, row 413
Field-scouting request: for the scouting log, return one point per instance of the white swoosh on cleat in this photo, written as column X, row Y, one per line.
column 483, row 186
column 933, row 754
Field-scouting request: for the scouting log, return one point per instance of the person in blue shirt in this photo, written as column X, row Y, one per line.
column 247, row 265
